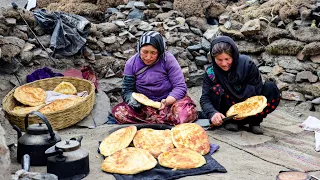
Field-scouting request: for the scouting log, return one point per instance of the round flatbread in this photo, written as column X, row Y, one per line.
column 57, row 105
column 181, row 158
column 23, row 110
column 191, row 136
column 249, row 107
column 117, row 140
column 30, row 95
column 130, row 160
column 154, row 141
column 65, row 88
column 143, row 99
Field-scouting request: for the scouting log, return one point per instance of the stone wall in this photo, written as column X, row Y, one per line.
column 285, row 50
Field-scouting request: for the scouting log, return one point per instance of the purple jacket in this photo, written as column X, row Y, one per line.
column 162, row 79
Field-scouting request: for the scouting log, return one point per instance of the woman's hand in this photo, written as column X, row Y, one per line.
column 167, row 102
column 216, row 119
column 163, row 104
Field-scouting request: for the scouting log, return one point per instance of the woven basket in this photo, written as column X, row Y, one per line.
column 59, row 119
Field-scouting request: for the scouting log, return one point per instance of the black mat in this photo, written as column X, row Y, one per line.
column 160, row 172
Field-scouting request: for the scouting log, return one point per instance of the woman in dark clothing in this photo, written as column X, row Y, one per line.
column 232, row 79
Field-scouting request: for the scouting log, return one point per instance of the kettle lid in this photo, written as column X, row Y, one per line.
column 37, row 129
column 68, row 145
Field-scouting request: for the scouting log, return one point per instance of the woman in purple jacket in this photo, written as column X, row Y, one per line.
column 155, row 73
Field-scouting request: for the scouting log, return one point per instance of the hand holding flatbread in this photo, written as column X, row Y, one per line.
column 143, row 99
column 181, row 158
column 130, row 160
column 249, row 107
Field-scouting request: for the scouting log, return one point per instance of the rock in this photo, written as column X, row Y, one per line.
column 276, row 70
column 10, row 68
column 306, row 76
column 293, row 96
column 223, row 18
column 195, row 79
column 205, row 44
column 166, row 5
column 45, row 40
column 140, row 5
column 8, row 51
column 4, row 156
column 285, row 47
column 265, row 69
column 197, row 22
column 193, row 67
column 316, row 101
column 315, row 59
column 107, row 28
column 312, row 89
column 19, row 34
column 311, row 49
column 119, row 23
column 251, row 27
column 201, row 60
column 211, row 33
column 110, row 85
column 154, row 6
column 249, row 47
column 236, row 34
column 287, row 77
column 11, row 21
column 196, row 31
column 290, row 62
column 191, row 7
column 304, row 34
column 109, row 40
column 26, row 57
column 282, row 86
column 144, row 26
column 12, row 40
column 136, row 14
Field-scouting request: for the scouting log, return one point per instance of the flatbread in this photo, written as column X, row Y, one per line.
column 191, row 136
column 249, row 107
column 181, row 158
column 65, row 88
column 154, row 141
column 23, row 110
column 57, row 105
column 143, row 99
column 31, row 96
column 117, row 140
column 130, row 160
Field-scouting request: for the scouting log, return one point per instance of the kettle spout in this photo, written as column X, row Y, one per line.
column 18, row 130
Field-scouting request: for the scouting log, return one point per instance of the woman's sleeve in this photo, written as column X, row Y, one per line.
column 176, row 78
column 254, row 79
column 129, row 86
column 205, row 102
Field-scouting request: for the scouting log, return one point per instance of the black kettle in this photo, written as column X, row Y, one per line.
column 68, row 160
column 37, row 139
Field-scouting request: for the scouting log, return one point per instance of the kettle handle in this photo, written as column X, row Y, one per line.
column 43, row 118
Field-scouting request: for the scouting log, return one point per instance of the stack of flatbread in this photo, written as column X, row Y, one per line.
column 33, row 99
column 191, row 142
column 249, row 107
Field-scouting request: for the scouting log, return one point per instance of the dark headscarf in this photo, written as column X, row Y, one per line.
column 243, row 80
column 153, row 38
